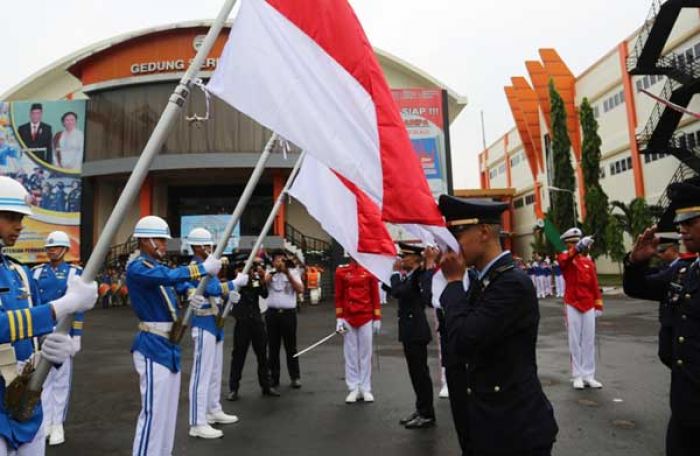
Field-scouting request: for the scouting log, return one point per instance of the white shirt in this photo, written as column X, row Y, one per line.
column 281, row 294
column 71, row 145
column 440, row 283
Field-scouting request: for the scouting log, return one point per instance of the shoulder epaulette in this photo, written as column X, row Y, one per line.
column 75, row 266
column 147, row 263
column 38, row 266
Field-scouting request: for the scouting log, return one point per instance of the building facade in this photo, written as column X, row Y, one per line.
column 203, row 167
column 522, row 158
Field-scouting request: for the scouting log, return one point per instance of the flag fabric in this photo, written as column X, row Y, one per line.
column 305, row 69
column 347, row 214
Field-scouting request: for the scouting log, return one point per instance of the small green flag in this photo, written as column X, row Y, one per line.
column 553, row 236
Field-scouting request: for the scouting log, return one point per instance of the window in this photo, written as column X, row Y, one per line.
column 596, row 111
column 622, row 165
column 515, row 160
column 612, row 169
column 606, row 108
column 681, row 60
column 502, row 169
column 518, row 203
column 697, row 50
column 618, row 167
column 622, row 97
column 530, row 199
column 691, row 141
column 601, row 175
column 639, row 85
column 616, row 100
column 689, row 56
column 629, row 162
column 493, row 173
column 652, row 79
column 645, row 82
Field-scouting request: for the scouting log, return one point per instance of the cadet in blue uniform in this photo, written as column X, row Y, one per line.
column 74, row 197
column 22, row 317
column 205, row 381
column 493, row 326
column 52, row 279
column 678, row 289
column 156, row 358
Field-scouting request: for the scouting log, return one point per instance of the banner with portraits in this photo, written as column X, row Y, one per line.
column 42, row 146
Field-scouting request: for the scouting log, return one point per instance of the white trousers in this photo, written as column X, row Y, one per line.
column 205, row 381
column 560, row 285
column 548, row 285
column 36, row 447
column 581, row 328
column 315, row 295
column 382, row 294
column 54, row 396
column 357, row 347
column 160, row 391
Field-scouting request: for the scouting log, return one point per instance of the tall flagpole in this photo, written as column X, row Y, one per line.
column 178, row 331
column 268, row 224
column 171, row 112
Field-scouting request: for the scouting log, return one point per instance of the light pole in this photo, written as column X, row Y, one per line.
column 573, row 199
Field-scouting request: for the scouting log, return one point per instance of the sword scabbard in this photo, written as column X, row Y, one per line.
column 178, row 331
column 20, row 401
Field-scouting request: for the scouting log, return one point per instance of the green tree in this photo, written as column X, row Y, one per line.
column 634, row 217
column 596, row 201
column 614, row 238
column 562, row 206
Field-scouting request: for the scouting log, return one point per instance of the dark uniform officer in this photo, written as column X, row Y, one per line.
column 678, row 289
column 250, row 329
column 414, row 334
column 493, row 326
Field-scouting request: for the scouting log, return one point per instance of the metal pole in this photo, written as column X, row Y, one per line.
column 178, row 330
column 261, row 237
column 133, row 185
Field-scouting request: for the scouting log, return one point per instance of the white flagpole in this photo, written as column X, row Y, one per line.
column 172, row 110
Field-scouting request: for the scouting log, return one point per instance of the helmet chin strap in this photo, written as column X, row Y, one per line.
column 155, row 248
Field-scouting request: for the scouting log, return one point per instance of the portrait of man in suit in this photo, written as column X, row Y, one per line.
column 36, row 135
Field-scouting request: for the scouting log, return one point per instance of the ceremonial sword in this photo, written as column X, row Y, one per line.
column 316, row 344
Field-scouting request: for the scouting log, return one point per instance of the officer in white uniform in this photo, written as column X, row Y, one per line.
column 207, row 368
column 22, row 317
column 52, row 280
column 156, row 358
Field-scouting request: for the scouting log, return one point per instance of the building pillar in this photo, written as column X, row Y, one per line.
column 278, row 182
column 630, row 106
column 146, row 197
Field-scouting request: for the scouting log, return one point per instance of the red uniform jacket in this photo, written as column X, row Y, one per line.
column 582, row 289
column 356, row 295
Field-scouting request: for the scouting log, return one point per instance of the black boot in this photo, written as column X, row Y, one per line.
column 271, row 392
column 232, row 396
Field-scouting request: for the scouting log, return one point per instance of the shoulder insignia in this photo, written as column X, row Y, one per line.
column 148, row 264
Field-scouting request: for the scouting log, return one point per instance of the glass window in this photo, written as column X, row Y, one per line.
column 622, row 96
column 502, row 168
column 652, row 79
column 639, row 85
column 530, row 199
column 682, row 141
column 518, row 203
column 629, row 162
column 645, row 82
column 612, row 169
column 647, row 158
column 618, row 167
column 697, row 50
column 601, row 175
column 689, row 57
column 616, row 99
column 691, row 141
column 605, row 106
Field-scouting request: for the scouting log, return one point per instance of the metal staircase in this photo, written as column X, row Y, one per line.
column 660, row 134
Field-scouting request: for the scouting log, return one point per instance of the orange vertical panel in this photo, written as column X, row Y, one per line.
column 631, row 108
column 540, row 82
column 146, row 197
column 278, row 182
column 509, row 176
column 519, row 118
column 527, row 98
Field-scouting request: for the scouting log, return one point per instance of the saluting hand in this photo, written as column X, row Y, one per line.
column 645, row 247
column 431, row 254
column 453, row 266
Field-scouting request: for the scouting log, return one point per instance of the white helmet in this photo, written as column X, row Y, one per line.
column 151, row 227
column 57, row 239
column 200, row 236
column 571, row 235
column 13, row 196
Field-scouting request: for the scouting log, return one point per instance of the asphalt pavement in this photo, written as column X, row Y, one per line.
column 627, row 417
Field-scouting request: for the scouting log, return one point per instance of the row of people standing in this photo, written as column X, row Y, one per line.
column 546, row 276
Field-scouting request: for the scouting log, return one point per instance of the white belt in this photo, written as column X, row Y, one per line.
column 8, row 363
column 211, row 311
column 159, row 328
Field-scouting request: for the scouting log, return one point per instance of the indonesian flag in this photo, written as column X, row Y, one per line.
column 305, row 69
column 347, row 214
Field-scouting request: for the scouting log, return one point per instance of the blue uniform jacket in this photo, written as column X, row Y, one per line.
column 154, row 299
column 52, row 284
column 215, row 289
column 19, row 322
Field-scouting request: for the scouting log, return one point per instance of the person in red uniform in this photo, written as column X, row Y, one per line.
column 358, row 315
column 584, row 303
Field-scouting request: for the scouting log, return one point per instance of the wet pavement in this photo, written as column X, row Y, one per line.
column 627, row 417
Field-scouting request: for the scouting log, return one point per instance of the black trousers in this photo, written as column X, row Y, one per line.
column 246, row 332
column 456, row 376
column 282, row 328
column 682, row 440
column 536, row 452
column 416, row 354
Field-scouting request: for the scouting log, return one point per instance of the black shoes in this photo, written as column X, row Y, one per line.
column 271, row 392
column 296, row 383
column 232, row 396
column 420, row 422
column 410, row 417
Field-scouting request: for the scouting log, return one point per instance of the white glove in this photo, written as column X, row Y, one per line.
column 340, row 325
column 584, row 243
column 241, row 280
column 197, row 301
column 234, row 297
column 376, row 326
column 57, row 348
column 76, row 345
column 598, row 313
column 79, row 297
column 212, row 265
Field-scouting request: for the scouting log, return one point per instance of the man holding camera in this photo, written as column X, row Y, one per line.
column 283, row 283
column 250, row 330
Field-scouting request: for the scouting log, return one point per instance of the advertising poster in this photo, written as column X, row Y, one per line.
column 422, row 112
column 216, row 224
column 42, row 146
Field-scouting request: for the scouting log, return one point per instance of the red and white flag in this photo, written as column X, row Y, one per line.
column 305, row 69
column 347, row 214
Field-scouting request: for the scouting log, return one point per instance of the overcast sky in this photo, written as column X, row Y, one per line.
column 474, row 47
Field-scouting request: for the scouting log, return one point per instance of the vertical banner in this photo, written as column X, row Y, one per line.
column 42, row 146
column 424, row 114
